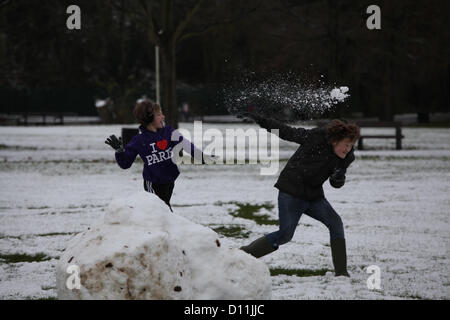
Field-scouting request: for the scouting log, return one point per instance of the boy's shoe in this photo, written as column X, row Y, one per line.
column 258, row 248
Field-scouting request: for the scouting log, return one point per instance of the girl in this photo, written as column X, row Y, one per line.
column 154, row 145
column 324, row 153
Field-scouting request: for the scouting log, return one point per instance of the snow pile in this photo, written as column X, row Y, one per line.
column 140, row 250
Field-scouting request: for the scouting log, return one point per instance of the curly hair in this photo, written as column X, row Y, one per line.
column 144, row 111
column 338, row 130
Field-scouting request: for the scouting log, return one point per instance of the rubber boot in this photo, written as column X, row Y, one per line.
column 339, row 255
column 258, row 248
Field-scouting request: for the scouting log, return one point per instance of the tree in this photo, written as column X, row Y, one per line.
column 168, row 22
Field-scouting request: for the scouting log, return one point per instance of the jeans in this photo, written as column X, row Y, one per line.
column 291, row 208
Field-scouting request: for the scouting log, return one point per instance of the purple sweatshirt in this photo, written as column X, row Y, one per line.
column 155, row 149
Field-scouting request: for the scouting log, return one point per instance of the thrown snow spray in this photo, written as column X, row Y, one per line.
column 282, row 96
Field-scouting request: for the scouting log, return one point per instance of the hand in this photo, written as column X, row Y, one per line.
column 337, row 178
column 115, row 143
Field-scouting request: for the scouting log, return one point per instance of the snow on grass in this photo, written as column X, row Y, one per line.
column 56, row 181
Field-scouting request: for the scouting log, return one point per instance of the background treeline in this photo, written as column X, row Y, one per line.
column 45, row 67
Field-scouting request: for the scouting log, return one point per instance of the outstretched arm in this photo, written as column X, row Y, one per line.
column 187, row 146
column 286, row 132
column 126, row 157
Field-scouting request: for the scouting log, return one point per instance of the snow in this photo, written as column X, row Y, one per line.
column 56, row 181
column 100, row 103
column 339, row 94
column 285, row 92
column 140, row 250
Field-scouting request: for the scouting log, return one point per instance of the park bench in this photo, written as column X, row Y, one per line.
column 377, row 124
column 128, row 134
column 57, row 117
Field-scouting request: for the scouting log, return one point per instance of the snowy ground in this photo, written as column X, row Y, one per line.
column 55, row 181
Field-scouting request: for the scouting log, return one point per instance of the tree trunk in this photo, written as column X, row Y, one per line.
column 168, row 81
column 386, row 113
column 334, row 73
column 387, row 109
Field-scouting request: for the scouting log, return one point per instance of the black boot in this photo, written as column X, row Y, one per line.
column 339, row 254
column 258, row 248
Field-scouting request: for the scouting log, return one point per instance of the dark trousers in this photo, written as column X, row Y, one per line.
column 290, row 209
column 163, row 191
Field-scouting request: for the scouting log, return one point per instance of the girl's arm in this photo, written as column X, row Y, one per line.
column 186, row 145
column 191, row 149
column 125, row 157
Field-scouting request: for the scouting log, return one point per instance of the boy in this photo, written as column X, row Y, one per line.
column 324, row 153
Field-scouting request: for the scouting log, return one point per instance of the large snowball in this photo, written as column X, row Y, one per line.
column 141, row 250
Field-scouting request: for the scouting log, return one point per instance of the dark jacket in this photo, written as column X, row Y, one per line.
column 313, row 162
column 156, row 150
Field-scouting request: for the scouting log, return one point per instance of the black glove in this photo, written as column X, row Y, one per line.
column 115, row 143
column 337, row 178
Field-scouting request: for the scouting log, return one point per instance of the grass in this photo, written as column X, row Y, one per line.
column 188, row 205
column 17, row 257
column 43, row 298
column 52, row 234
column 248, row 210
column 6, row 147
column 415, row 297
column 2, row 236
column 298, row 272
column 234, row 231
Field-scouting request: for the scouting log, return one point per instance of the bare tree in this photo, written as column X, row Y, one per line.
column 168, row 22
